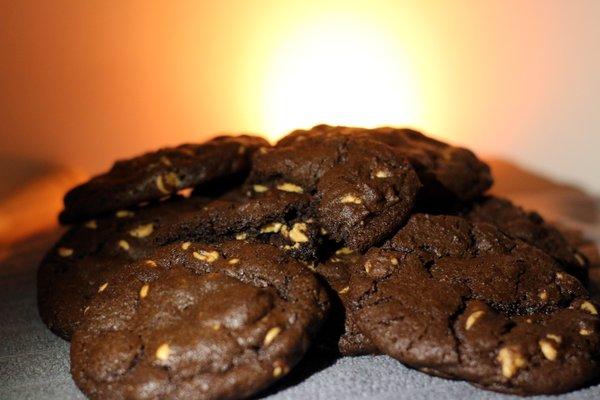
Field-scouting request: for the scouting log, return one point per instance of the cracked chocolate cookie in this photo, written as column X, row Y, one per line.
column 361, row 191
column 90, row 253
column 461, row 299
column 198, row 321
column 531, row 228
column 341, row 332
column 154, row 175
column 255, row 212
column 446, row 172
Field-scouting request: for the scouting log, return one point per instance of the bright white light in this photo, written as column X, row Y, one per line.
column 339, row 72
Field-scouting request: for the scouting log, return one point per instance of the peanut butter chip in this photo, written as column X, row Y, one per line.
column 585, row 332
column 208, row 256
column 580, row 259
column 271, row 335
column 368, row 267
column 554, row 337
column 234, row 261
column 144, row 291
column 290, row 187
column 91, row 224
column 548, row 349
column 473, row 318
column 161, row 185
column 589, row 307
column 260, row 188
column 383, row 174
column 279, row 368
column 166, row 161
column 273, row 227
column 186, row 245
column 142, row 231
column 163, row 351
column 298, row 233
column 344, row 290
column 560, row 275
column 216, row 326
column 350, row 198
column 151, row 263
column 344, row 250
column 511, row 361
column 543, row 295
column 103, row 287
column 124, row 245
column 124, row 214
column 241, row 236
column 65, row 251
column 394, row 261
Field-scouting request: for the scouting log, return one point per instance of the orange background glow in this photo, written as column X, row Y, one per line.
column 84, row 82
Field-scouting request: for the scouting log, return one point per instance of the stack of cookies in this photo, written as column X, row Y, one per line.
column 206, row 271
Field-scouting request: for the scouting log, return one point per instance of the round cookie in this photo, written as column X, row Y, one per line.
column 281, row 218
column 90, row 253
column 160, row 173
column 198, row 321
column 446, row 172
column 341, row 332
column 461, row 299
column 361, row 191
column 531, row 228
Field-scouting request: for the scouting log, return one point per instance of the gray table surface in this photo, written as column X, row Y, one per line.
column 34, row 364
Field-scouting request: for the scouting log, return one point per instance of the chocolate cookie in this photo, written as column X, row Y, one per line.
column 446, row 172
column 341, row 332
column 90, row 253
column 254, row 212
column 198, row 321
column 160, row 173
column 361, row 191
column 531, row 228
column 463, row 300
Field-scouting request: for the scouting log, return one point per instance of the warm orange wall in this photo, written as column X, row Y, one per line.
column 86, row 81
